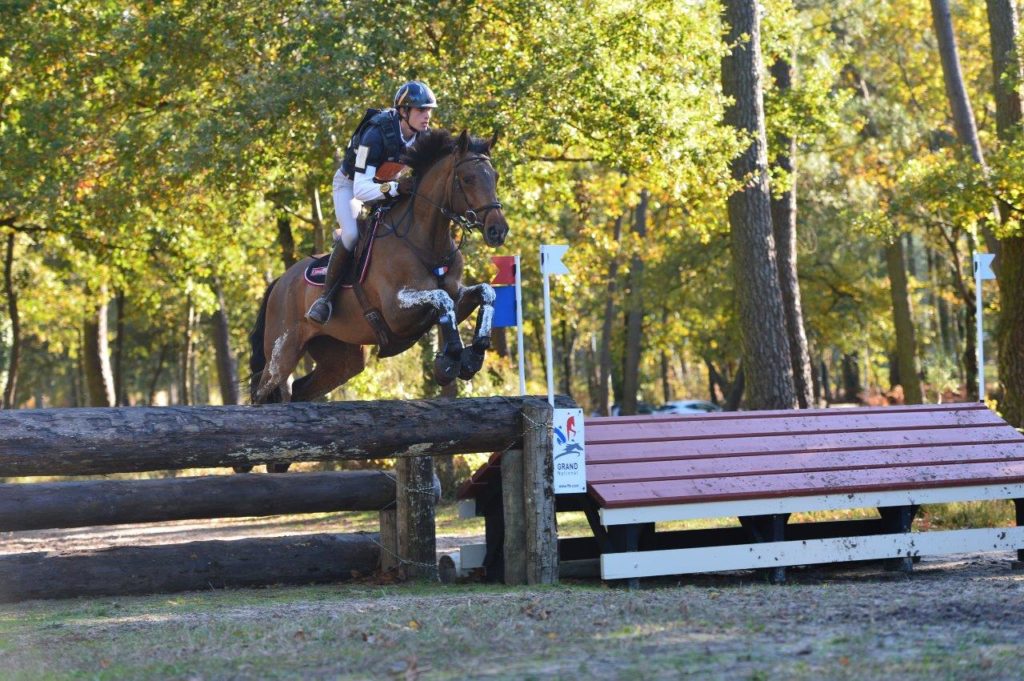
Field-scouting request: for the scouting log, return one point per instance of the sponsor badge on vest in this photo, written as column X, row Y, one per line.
column 569, row 457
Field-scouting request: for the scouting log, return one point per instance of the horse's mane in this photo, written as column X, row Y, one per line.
column 436, row 144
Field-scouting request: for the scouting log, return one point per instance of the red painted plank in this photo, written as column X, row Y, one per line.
column 606, row 421
column 782, row 443
column 771, row 464
column 702, row 427
column 703, row 490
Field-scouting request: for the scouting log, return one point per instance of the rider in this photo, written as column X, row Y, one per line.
column 384, row 139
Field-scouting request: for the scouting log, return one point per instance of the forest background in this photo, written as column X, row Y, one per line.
column 161, row 162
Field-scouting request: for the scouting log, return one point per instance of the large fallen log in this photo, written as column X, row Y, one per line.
column 130, row 439
column 307, row 559
column 37, row 506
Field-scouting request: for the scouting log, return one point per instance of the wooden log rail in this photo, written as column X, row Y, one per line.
column 98, row 441
column 37, row 506
column 305, row 559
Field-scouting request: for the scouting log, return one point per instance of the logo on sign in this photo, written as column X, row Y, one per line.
column 570, row 470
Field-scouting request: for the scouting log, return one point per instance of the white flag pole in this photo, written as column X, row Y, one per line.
column 981, row 334
column 519, row 330
column 547, row 334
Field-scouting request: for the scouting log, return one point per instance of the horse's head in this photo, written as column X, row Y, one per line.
column 474, row 195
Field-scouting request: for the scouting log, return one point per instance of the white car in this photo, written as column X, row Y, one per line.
column 691, row 407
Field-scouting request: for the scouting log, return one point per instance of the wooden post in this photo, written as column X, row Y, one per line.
column 388, row 539
column 539, row 494
column 514, row 513
column 417, row 544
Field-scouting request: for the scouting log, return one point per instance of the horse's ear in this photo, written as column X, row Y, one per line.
column 463, row 143
column 493, row 141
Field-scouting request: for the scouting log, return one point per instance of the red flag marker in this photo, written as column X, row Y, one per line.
column 506, row 265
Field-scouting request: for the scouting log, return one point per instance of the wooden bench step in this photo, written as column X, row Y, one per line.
column 702, row 490
column 773, row 464
column 784, row 443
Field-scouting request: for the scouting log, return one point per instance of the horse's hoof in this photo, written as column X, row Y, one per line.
column 472, row 362
column 277, row 467
column 242, row 469
column 445, row 369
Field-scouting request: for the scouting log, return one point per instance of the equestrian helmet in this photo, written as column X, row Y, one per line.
column 415, row 94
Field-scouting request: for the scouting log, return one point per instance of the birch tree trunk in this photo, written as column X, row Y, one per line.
column 766, row 357
column 99, row 379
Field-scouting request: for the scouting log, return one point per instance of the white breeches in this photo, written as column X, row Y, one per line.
column 346, row 209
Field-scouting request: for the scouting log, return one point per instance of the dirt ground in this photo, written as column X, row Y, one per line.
column 959, row 617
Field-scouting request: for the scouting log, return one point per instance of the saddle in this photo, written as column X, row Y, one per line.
column 316, row 271
column 389, row 344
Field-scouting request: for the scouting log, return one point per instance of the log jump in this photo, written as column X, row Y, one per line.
column 103, row 441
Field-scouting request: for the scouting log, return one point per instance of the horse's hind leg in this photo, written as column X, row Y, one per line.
column 470, row 298
column 336, row 363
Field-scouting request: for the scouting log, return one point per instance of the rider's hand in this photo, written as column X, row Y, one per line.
column 406, row 185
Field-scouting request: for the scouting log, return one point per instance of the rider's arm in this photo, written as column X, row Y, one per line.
column 364, row 187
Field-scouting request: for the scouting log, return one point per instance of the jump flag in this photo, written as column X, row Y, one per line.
column 551, row 260
column 508, row 305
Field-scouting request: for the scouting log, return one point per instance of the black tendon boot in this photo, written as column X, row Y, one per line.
column 320, row 310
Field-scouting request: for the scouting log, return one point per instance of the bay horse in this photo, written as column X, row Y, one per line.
column 414, row 280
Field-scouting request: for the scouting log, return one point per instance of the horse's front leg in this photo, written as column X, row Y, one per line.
column 471, row 297
column 447, row 360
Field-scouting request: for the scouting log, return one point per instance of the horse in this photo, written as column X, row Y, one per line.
column 413, row 282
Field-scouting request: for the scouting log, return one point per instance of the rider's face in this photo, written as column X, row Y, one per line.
column 419, row 118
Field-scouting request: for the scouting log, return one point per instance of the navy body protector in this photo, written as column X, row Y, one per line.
column 385, row 120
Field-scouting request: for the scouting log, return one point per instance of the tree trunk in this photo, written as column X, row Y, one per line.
column 286, row 239
column 1004, row 29
column 187, row 353
column 99, row 379
column 762, row 320
column 10, row 385
column 609, row 323
column 155, row 381
column 120, row 398
column 317, row 216
column 784, row 227
column 634, row 315
column 906, row 345
column 227, row 364
column 963, row 114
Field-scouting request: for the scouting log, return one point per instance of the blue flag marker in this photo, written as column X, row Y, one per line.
column 504, row 307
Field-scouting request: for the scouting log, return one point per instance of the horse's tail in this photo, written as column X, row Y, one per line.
column 258, row 359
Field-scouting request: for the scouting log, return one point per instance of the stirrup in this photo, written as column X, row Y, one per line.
column 314, row 313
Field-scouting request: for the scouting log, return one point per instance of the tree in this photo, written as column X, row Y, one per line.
column 766, row 357
column 1008, row 76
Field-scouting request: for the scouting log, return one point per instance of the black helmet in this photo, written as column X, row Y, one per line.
column 415, row 94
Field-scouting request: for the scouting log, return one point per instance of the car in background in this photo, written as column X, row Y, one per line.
column 641, row 408
column 691, row 407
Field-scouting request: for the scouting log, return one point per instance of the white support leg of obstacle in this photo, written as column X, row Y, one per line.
column 808, row 552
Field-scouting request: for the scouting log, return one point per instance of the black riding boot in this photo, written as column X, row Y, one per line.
column 320, row 310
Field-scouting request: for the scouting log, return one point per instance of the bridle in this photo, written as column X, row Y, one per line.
column 471, row 217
